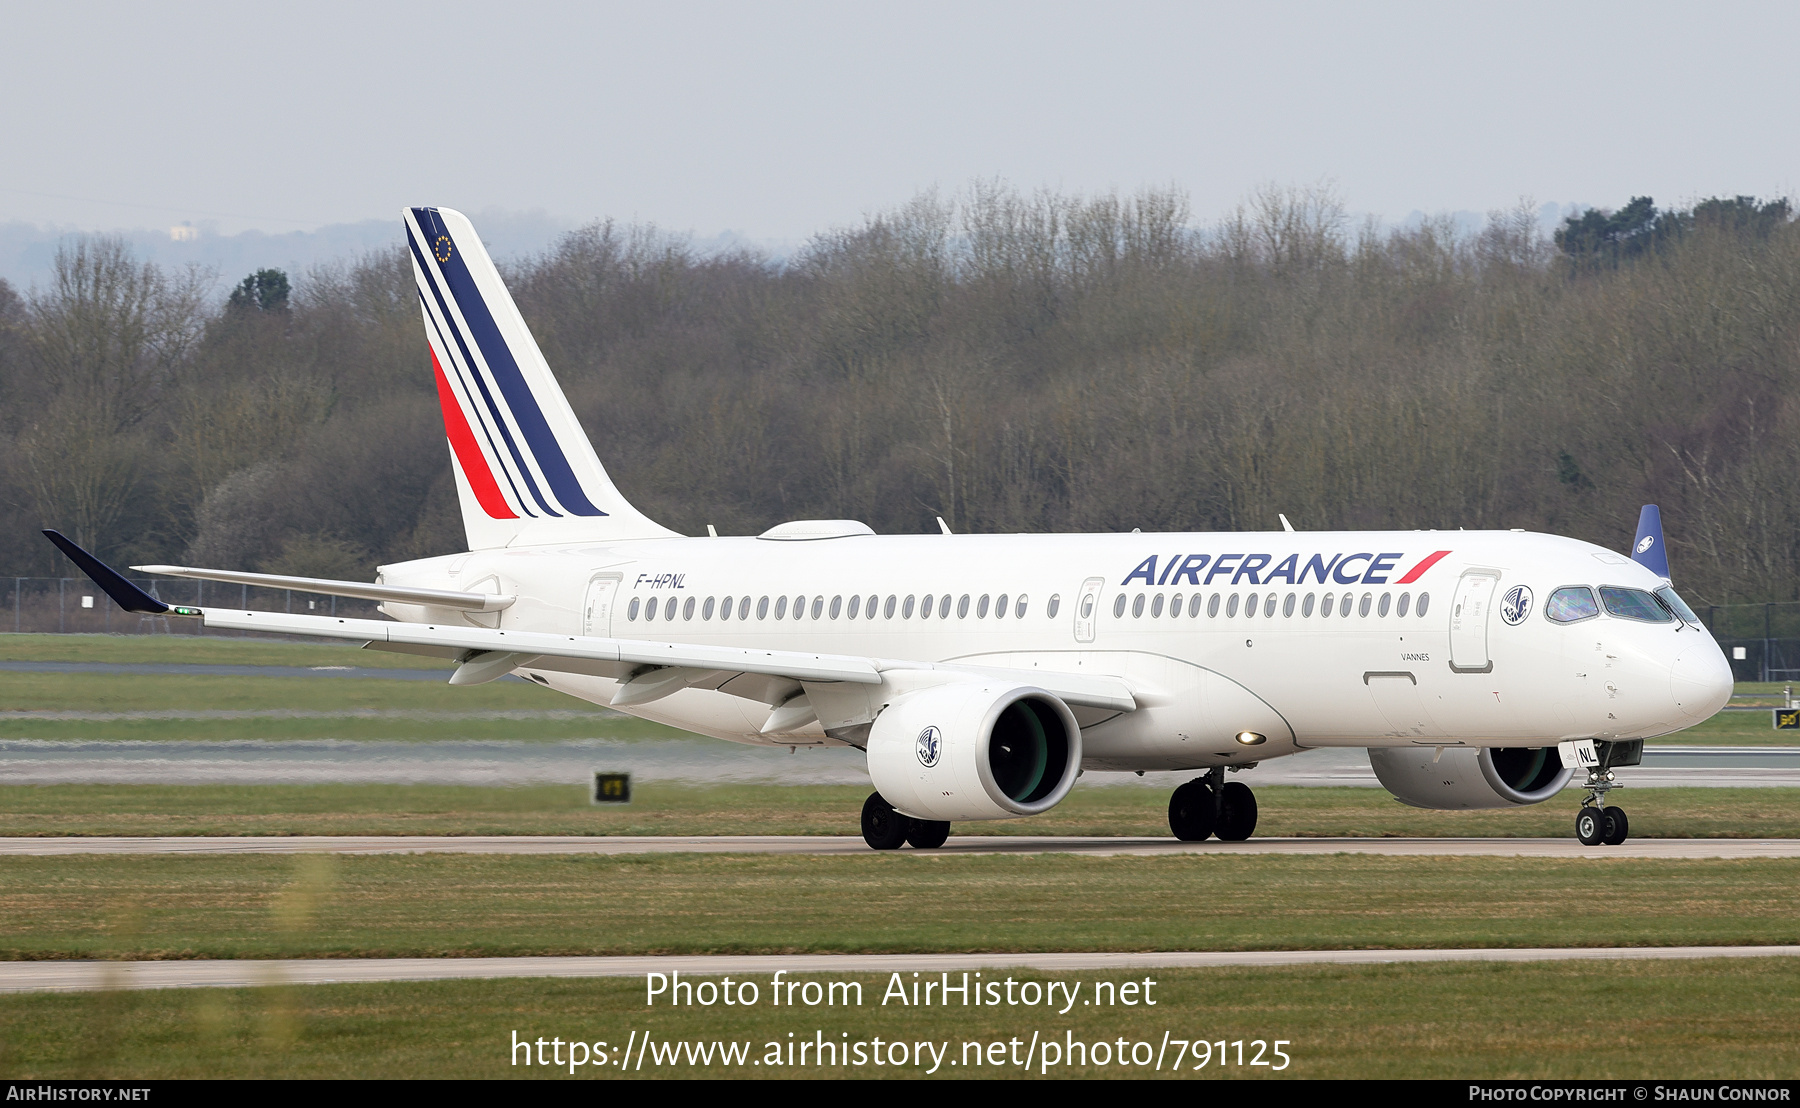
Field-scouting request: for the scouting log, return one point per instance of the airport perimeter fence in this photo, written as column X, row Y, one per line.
column 1761, row 640
column 72, row 605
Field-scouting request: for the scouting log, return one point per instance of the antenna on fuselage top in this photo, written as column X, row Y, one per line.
column 1285, row 525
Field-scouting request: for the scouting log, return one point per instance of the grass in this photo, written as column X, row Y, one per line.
column 674, row 809
column 315, row 905
column 135, row 692
column 203, row 650
column 1731, row 1019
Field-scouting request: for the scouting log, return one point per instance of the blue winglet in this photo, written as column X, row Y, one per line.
column 111, row 581
column 1647, row 549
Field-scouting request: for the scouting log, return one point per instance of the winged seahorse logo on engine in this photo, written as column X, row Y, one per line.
column 930, row 746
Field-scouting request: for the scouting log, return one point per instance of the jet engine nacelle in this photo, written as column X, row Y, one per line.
column 1466, row 778
column 974, row 750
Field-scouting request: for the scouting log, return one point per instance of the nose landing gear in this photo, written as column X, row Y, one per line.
column 1598, row 823
column 1208, row 806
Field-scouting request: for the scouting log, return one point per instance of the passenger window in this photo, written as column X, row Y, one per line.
column 780, row 607
column 818, row 606
column 744, row 608
column 1194, row 606
column 762, row 608
column 650, row 609
column 1381, row 609
column 669, row 608
column 906, row 609
column 799, row 607
column 1344, row 605
column 1269, row 606
column 1424, row 603
column 706, row 610
column 1287, row 606
column 1019, row 613
column 1571, row 604
column 1306, row 607
column 1330, row 599
column 1156, row 606
column 1400, row 608
column 1363, row 611
column 1000, row 607
column 837, row 607
column 962, row 607
column 1049, row 608
column 1175, row 605
column 1212, row 607
column 1633, row 604
column 1231, row 606
column 1137, row 606
column 1118, row 605
column 855, row 605
column 981, row 606
column 725, row 608
column 887, row 612
column 1250, row 606
column 944, row 606
column 687, row 610
column 631, row 612
column 926, row 604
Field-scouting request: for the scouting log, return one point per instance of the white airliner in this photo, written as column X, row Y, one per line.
column 982, row 674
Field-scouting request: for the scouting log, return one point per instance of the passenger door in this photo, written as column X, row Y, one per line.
column 1087, row 608
column 596, row 610
column 1469, row 619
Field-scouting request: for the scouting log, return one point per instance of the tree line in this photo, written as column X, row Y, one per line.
column 1008, row 361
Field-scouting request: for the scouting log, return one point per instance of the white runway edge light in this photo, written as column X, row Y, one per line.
column 1251, row 738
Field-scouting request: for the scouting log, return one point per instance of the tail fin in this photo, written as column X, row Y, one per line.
column 1647, row 549
column 525, row 471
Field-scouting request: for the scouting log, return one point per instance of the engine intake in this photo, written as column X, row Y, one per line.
column 971, row 750
column 1465, row 778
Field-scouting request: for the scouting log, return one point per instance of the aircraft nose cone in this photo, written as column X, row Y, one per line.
column 1700, row 680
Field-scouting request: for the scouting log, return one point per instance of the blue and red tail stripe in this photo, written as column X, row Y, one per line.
column 465, row 315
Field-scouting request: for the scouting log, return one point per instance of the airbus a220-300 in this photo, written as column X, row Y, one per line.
column 981, row 674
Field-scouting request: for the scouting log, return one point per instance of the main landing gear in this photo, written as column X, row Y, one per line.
column 1210, row 806
column 885, row 829
column 1598, row 823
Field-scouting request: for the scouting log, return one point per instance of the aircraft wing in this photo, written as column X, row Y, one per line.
column 485, row 654
column 651, row 669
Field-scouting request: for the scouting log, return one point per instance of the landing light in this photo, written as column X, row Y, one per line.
column 1251, row 738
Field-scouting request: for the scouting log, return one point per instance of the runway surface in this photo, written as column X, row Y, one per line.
column 828, row 845
column 32, row 761
column 21, row 977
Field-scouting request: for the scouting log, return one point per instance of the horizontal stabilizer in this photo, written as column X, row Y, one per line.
column 434, row 598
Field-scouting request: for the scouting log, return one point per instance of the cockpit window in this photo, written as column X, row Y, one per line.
column 1573, row 603
column 1633, row 604
column 1677, row 605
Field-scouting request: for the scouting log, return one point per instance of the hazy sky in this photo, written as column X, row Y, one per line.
column 779, row 119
